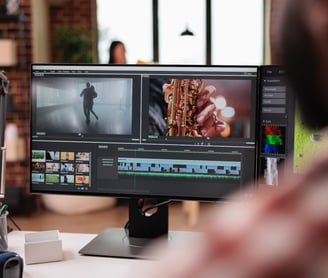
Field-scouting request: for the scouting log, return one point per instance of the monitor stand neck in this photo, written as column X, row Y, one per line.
column 146, row 225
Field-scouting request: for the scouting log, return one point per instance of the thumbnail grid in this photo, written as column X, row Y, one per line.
column 66, row 168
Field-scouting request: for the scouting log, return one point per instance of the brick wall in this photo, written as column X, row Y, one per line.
column 18, row 28
column 72, row 13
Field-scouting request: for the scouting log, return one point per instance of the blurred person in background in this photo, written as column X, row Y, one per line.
column 117, row 53
column 282, row 232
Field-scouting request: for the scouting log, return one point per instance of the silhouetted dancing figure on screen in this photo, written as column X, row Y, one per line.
column 88, row 94
column 94, row 95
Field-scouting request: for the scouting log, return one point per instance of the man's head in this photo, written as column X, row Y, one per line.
column 303, row 42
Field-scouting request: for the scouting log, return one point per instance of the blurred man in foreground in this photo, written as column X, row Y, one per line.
column 282, row 233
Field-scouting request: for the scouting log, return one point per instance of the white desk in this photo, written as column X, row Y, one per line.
column 73, row 265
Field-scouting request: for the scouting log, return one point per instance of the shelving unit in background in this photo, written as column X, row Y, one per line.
column 15, row 27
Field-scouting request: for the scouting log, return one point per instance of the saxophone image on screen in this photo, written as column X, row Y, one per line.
column 181, row 97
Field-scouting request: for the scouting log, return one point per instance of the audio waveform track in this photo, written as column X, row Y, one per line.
column 180, row 168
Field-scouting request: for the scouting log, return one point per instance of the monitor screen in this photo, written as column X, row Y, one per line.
column 182, row 132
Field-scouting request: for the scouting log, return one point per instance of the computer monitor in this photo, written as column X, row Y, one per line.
column 143, row 131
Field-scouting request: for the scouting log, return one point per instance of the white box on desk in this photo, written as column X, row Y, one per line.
column 42, row 247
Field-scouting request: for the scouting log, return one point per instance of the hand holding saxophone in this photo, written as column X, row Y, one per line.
column 209, row 104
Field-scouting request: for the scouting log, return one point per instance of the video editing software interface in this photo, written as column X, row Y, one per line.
column 184, row 132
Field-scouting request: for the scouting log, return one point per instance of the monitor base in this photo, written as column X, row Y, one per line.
column 114, row 242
